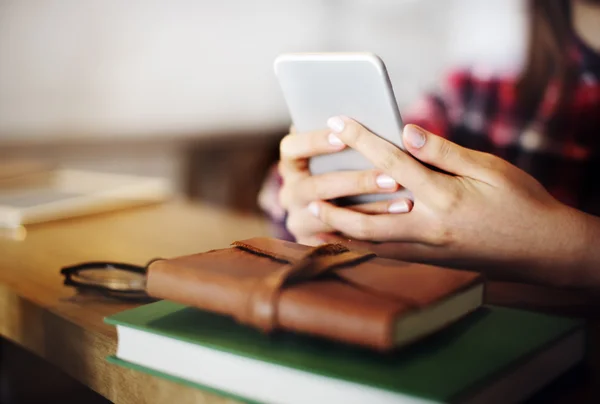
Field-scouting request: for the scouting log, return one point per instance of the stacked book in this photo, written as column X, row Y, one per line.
column 275, row 322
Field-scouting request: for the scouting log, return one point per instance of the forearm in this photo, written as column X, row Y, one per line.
column 586, row 260
column 566, row 254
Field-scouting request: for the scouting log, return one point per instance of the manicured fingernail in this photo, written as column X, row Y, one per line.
column 313, row 208
column 414, row 136
column 336, row 124
column 334, row 140
column 385, row 181
column 398, row 207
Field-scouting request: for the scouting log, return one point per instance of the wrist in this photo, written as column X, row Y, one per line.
column 554, row 251
column 574, row 260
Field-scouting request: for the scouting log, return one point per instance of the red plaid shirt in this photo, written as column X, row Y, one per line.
column 478, row 110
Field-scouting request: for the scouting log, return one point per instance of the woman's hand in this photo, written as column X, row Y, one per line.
column 300, row 188
column 484, row 213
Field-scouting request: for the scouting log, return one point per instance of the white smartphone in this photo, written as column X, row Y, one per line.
column 317, row 86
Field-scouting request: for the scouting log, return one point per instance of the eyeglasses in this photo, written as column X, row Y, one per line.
column 112, row 279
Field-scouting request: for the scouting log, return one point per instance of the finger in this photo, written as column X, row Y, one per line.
column 292, row 171
column 386, row 156
column 427, row 254
column 337, row 185
column 443, row 154
column 405, row 251
column 305, row 145
column 381, row 249
column 402, row 205
column 311, row 241
column 301, row 223
column 355, row 245
column 268, row 201
column 360, row 226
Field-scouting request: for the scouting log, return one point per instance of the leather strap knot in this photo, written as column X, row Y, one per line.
column 261, row 308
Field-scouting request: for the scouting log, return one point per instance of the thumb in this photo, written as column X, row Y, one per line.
column 441, row 153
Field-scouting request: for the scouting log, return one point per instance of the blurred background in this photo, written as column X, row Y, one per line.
column 185, row 89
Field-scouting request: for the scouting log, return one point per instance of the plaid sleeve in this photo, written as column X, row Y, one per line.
column 268, row 197
column 268, row 201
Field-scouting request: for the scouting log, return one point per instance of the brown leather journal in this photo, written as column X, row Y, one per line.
column 327, row 291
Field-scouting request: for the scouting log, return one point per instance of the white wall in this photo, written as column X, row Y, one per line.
column 130, row 67
column 421, row 39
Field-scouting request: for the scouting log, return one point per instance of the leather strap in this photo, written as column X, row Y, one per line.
column 261, row 308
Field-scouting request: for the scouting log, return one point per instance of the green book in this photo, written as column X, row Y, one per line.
column 493, row 355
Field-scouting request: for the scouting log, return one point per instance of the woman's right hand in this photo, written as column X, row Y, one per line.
column 300, row 188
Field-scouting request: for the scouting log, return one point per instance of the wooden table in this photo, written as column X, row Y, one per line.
column 48, row 319
column 40, row 314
